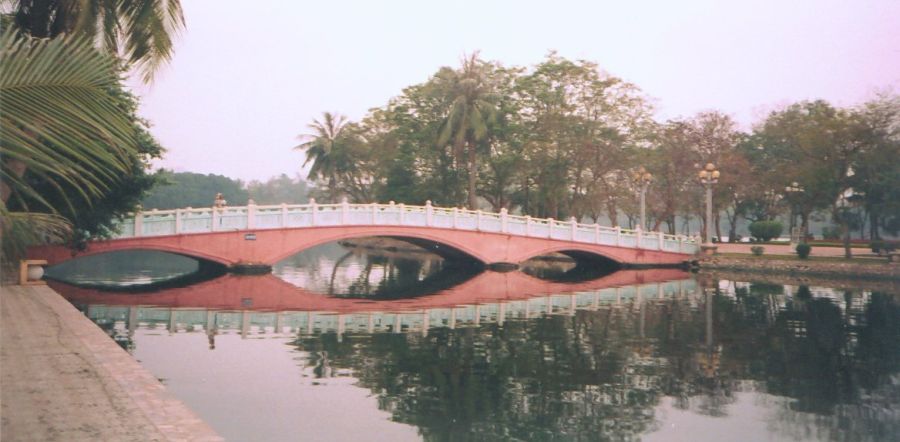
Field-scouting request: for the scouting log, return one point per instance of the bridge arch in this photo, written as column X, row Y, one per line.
column 577, row 253
column 451, row 248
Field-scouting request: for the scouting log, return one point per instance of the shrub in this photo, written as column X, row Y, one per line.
column 831, row 233
column 757, row 250
column 765, row 230
column 877, row 246
column 803, row 250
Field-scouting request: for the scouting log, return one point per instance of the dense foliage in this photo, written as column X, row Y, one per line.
column 74, row 151
column 563, row 138
column 178, row 190
column 765, row 230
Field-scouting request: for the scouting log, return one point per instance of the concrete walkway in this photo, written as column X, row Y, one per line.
column 63, row 379
column 784, row 249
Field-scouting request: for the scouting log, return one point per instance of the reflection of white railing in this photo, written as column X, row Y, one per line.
column 421, row 321
column 253, row 217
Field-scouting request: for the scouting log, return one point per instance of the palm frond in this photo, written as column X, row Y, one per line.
column 18, row 230
column 58, row 117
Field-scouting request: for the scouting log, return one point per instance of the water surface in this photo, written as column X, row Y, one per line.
column 373, row 346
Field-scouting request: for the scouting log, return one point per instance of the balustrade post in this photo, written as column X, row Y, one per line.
column 639, row 237
column 681, row 243
column 391, row 208
column 504, row 220
column 251, row 214
column 345, row 209
column 478, row 220
column 374, row 213
column 312, row 211
column 177, row 221
column 527, row 225
column 662, row 241
column 618, row 235
column 284, row 214
column 550, row 223
column 429, row 213
column 138, row 223
column 574, row 228
column 402, row 211
column 596, row 233
column 455, row 217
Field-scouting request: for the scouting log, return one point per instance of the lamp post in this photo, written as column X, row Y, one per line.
column 709, row 175
column 791, row 190
column 642, row 179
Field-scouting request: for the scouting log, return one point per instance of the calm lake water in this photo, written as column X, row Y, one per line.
column 343, row 345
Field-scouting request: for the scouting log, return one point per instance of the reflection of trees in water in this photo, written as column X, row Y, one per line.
column 540, row 379
column 593, row 376
column 374, row 274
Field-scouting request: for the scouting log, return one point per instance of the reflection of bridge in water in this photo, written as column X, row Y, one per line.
column 268, row 305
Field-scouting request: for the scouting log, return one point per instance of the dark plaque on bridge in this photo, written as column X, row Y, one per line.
column 250, row 236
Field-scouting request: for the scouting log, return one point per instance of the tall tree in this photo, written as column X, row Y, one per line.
column 876, row 168
column 814, row 144
column 328, row 148
column 471, row 111
column 140, row 31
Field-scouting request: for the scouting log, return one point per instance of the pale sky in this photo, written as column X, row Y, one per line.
column 247, row 77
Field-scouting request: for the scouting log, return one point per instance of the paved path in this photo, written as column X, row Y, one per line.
column 63, row 379
column 787, row 250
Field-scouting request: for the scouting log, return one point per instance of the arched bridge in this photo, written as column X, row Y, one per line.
column 263, row 235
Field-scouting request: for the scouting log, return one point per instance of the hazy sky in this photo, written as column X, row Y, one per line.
column 247, row 77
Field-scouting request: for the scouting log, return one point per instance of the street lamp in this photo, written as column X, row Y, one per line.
column 709, row 175
column 791, row 190
column 642, row 178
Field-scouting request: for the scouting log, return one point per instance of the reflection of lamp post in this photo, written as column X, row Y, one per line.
column 642, row 178
column 709, row 175
column 795, row 189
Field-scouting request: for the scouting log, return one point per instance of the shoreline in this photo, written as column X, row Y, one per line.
column 826, row 270
column 65, row 379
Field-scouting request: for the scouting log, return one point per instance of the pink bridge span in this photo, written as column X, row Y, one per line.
column 263, row 235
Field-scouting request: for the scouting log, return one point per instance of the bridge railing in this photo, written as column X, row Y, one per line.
column 255, row 217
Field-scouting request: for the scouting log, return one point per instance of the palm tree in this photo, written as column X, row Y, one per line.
column 60, row 122
column 471, row 112
column 140, row 31
column 327, row 149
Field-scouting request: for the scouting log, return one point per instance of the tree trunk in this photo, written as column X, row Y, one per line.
column 717, row 217
column 612, row 212
column 804, row 225
column 873, row 225
column 473, row 170
column 845, row 233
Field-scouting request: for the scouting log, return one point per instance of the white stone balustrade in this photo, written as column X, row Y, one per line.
column 257, row 217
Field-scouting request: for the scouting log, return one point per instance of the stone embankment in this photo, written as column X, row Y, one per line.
column 65, row 380
column 833, row 271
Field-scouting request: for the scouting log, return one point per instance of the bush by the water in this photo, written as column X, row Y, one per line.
column 757, row 250
column 765, row 230
column 803, row 250
column 881, row 247
column 831, row 233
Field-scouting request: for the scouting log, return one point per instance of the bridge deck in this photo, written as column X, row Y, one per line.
column 253, row 217
column 65, row 380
